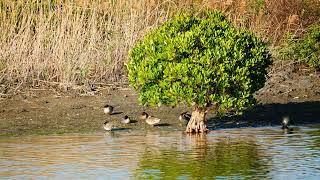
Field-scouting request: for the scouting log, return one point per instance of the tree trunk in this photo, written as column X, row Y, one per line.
column 197, row 122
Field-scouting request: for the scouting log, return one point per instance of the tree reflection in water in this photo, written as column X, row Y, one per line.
column 223, row 157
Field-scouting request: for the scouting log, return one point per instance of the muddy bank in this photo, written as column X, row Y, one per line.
column 292, row 90
column 46, row 113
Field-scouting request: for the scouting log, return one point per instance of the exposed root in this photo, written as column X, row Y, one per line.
column 197, row 122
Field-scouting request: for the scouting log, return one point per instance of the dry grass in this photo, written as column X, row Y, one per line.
column 83, row 42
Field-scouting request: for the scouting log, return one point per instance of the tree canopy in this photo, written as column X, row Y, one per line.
column 198, row 58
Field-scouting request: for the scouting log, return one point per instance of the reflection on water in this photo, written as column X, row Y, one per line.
column 224, row 157
column 260, row 153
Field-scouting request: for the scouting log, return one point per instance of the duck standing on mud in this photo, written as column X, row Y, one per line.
column 143, row 116
column 149, row 119
column 184, row 118
column 126, row 120
column 108, row 109
column 108, row 126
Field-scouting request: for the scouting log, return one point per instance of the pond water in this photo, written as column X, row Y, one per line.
column 246, row 153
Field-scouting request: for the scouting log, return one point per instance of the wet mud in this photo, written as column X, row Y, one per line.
column 292, row 90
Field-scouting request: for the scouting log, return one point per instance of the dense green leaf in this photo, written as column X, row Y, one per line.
column 198, row 58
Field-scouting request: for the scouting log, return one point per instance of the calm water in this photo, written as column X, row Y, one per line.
column 254, row 153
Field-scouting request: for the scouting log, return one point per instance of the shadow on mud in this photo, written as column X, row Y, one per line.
column 270, row 115
column 120, row 129
column 115, row 113
column 163, row 124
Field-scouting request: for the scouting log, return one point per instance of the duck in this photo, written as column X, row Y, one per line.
column 184, row 118
column 108, row 109
column 108, row 126
column 149, row 119
column 125, row 120
column 286, row 123
column 143, row 116
column 152, row 120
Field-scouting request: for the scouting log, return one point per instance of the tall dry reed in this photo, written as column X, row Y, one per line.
column 66, row 43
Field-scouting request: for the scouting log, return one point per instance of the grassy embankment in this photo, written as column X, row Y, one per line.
column 76, row 44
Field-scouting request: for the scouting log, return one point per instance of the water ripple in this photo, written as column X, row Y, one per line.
column 245, row 153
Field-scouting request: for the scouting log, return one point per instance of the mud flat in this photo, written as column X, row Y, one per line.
column 292, row 90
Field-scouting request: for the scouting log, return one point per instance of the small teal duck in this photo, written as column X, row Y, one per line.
column 286, row 123
column 143, row 116
column 125, row 120
column 149, row 119
column 108, row 109
column 184, row 118
column 108, row 126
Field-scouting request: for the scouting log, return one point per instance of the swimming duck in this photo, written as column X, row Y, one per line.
column 184, row 118
column 286, row 123
column 149, row 119
column 108, row 126
column 126, row 120
column 108, row 109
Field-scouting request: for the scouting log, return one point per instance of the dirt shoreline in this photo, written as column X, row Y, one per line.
column 292, row 90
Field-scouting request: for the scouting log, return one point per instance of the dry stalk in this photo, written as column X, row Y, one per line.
column 84, row 42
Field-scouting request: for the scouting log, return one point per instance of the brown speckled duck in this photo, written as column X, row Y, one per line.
column 149, row 119
column 143, row 116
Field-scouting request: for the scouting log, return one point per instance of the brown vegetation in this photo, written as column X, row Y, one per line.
column 65, row 44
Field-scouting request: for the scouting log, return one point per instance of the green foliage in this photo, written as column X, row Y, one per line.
column 303, row 49
column 198, row 58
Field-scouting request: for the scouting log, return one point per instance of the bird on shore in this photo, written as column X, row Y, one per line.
column 184, row 118
column 149, row 119
column 125, row 120
column 108, row 109
column 285, row 123
column 143, row 116
column 108, row 126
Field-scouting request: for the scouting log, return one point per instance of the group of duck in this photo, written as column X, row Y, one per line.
column 151, row 120
column 184, row 118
